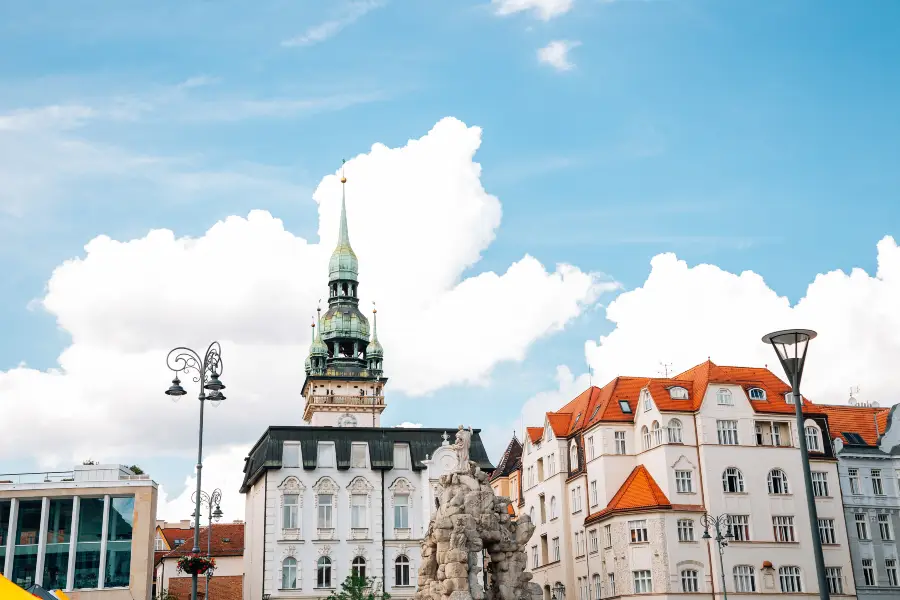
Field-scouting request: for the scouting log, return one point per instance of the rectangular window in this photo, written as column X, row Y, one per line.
column 685, row 530
column 884, row 527
column 790, row 579
column 740, row 527
column 783, row 528
column 862, row 526
column 534, row 558
column 611, row 577
column 325, row 515
column 26, row 540
column 59, row 532
column 595, row 497
column 820, row 484
column 401, row 456
column 689, row 581
column 724, row 398
column 87, row 553
column 290, row 455
column 897, row 480
column 727, row 431
column 595, row 541
column 290, row 517
column 683, row 482
column 591, row 447
column 826, row 531
column 853, row 476
column 835, row 580
column 401, row 511
column 744, row 579
column 638, row 531
column 5, row 508
column 620, row 442
column 358, row 511
column 868, row 571
column 890, row 565
column 877, row 484
column 607, row 536
column 326, row 455
column 358, row 456
column 555, row 546
column 642, row 582
column 118, row 545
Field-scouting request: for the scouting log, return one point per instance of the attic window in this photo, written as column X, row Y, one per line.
column 757, row 393
column 179, row 543
column 576, row 419
column 626, row 408
column 226, row 540
column 678, row 393
column 596, row 410
column 854, row 438
column 789, row 397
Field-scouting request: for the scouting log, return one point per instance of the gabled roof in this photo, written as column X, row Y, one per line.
column 559, row 422
column 640, row 491
column 843, row 420
column 510, row 461
column 227, row 540
column 535, row 434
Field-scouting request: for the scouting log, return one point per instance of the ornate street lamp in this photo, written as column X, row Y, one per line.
column 206, row 372
column 791, row 346
column 214, row 513
column 719, row 524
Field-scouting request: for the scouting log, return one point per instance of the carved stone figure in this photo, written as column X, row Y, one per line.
column 469, row 523
column 462, row 445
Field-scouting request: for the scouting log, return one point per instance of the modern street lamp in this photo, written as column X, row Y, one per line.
column 791, row 346
column 206, row 372
column 214, row 513
column 719, row 524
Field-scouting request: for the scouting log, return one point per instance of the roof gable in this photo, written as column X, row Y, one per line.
column 639, row 492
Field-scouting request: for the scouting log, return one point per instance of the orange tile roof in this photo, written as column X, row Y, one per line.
column 535, row 434
column 559, row 421
column 856, row 419
column 227, row 540
column 640, row 491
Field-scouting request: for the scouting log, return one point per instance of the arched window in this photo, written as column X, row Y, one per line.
column 723, row 397
column 358, row 569
column 553, row 514
column 657, row 434
column 812, row 439
column 790, row 580
column 645, row 435
column 289, row 573
column 732, row 480
column 596, row 581
column 744, row 578
column 559, row 591
column 401, row 570
column 323, row 572
column 573, row 457
column 778, row 483
column 531, row 514
column 757, row 393
column 675, row 431
column 678, row 393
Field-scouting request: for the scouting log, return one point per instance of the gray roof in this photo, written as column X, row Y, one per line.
column 267, row 452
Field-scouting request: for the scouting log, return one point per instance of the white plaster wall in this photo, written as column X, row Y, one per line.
column 254, row 547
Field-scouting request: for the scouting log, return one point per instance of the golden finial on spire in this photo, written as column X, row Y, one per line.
column 374, row 310
column 343, row 179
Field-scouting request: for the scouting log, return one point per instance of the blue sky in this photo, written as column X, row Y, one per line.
column 755, row 136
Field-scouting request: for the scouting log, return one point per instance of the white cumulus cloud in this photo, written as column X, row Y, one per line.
column 542, row 9
column 556, row 54
column 682, row 315
column 419, row 217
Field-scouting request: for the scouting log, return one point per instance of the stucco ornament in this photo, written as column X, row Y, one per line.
column 470, row 519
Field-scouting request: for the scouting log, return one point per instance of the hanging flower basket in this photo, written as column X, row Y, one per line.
column 196, row 564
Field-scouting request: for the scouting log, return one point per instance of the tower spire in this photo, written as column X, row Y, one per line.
column 343, row 232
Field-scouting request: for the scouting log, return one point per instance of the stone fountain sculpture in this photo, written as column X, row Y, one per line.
column 469, row 522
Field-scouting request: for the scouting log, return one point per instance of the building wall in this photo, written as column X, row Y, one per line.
column 143, row 532
column 220, row 588
column 226, row 566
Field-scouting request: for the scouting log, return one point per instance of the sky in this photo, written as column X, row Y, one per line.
column 543, row 194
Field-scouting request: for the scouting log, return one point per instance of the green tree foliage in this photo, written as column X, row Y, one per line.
column 359, row 588
column 136, row 470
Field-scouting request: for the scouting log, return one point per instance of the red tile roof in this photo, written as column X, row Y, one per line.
column 227, row 540
column 856, row 419
column 559, row 422
column 535, row 434
column 640, row 491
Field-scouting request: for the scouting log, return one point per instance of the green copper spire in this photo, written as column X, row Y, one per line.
column 374, row 348
column 343, row 265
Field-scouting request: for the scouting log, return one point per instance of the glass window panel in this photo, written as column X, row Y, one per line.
column 5, row 506
column 59, row 533
column 26, row 542
column 118, row 546
column 87, row 552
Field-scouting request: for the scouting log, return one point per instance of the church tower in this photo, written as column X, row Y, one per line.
column 344, row 384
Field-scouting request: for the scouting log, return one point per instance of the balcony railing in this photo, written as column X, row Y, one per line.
column 359, row 533
column 325, row 533
column 349, row 400
column 42, row 477
column 402, row 533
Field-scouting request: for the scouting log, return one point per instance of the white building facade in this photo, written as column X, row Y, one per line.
column 646, row 459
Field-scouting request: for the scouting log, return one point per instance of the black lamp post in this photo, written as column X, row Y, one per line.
column 214, row 513
column 791, row 346
column 719, row 524
column 206, row 373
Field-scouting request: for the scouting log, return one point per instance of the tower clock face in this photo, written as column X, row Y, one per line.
column 347, row 421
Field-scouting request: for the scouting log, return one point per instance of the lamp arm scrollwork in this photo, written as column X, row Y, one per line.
column 184, row 360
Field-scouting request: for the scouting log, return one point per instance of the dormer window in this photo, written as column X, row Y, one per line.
column 625, row 407
column 678, row 393
column 596, row 410
column 757, row 393
column 577, row 417
column 789, row 397
column 646, row 400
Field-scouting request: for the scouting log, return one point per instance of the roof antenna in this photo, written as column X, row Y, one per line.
column 664, row 369
column 590, row 375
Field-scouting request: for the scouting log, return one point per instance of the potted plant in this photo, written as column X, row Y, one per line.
column 196, row 563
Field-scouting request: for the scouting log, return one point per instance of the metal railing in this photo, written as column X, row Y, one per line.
column 351, row 400
column 37, row 477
